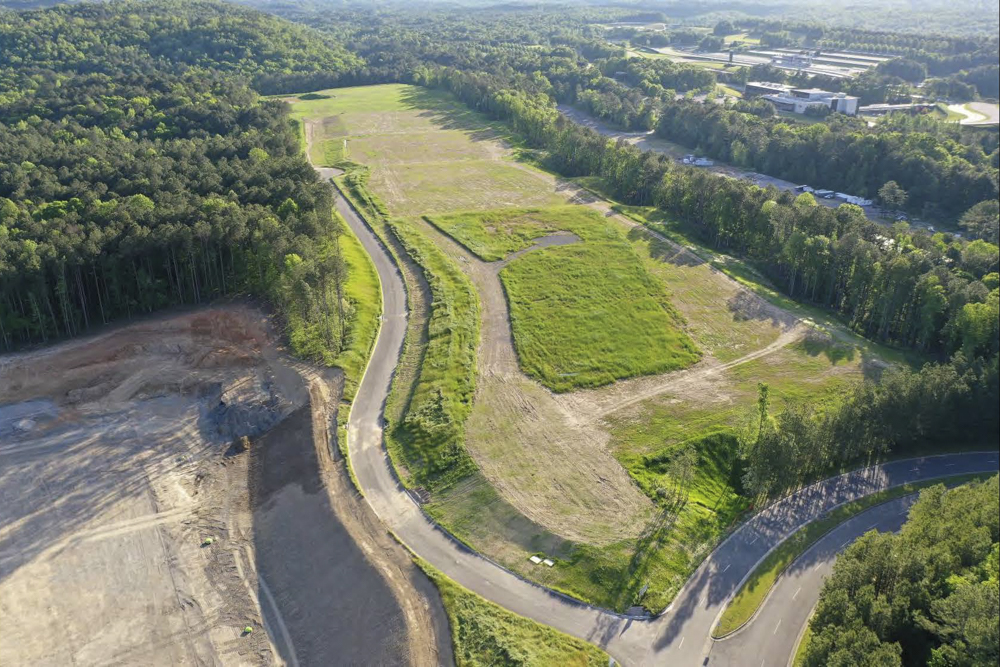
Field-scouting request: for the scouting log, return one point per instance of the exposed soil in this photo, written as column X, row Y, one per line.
column 132, row 531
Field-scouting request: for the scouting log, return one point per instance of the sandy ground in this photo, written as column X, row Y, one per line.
column 116, row 464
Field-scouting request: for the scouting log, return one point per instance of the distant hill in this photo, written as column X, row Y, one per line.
column 273, row 53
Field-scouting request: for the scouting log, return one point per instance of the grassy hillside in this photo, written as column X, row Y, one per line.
column 428, row 153
column 486, row 634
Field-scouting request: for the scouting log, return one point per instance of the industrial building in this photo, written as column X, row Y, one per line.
column 798, row 100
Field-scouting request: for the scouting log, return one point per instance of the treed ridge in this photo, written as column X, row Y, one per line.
column 131, row 180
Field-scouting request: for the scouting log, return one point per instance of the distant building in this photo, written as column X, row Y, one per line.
column 798, row 100
column 758, row 88
column 800, row 60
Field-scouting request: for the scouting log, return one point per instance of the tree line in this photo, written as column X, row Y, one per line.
column 902, row 412
column 840, row 154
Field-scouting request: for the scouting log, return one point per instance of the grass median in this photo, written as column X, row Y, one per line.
column 430, row 439
column 365, row 298
column 754, row 590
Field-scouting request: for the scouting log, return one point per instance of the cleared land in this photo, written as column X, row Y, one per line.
column 583, row 314
column 131, row 532
column 577, row 476
column 427, row 155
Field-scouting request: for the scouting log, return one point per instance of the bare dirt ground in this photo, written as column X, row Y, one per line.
column 116, row 465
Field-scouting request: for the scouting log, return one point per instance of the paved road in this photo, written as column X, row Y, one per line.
column 648, row 141
column 682, row 634
column 977, row 113
column 769, row 639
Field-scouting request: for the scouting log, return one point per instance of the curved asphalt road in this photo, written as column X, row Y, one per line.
column 770, row 637
column 682, row 634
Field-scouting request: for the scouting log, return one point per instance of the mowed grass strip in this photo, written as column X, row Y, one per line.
column 483, row 633
column 430, row 439
column 428, row 152
column 754, row 590
column 582, row 315
column 364, row 296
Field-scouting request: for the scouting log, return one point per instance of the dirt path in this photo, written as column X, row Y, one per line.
column 558, row 472
column 427, row 633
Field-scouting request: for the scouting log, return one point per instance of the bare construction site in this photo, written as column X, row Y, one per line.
column 169, row 495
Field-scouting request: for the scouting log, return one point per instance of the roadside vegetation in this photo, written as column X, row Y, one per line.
column 363, row 296
column 583, row 314
column 927, row 595
column 485, row 634
column 430, row 438
column 754, row 590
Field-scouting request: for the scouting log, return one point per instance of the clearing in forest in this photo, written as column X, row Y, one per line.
column 583, row 314
column 427, row 153
column 588, row 477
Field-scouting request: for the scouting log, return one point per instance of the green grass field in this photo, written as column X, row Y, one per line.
column 484, row 634
column 428, row 153
column 584, row 314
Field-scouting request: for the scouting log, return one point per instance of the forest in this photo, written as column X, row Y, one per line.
column 932, row 292
column 139, row 170
column 924, row 596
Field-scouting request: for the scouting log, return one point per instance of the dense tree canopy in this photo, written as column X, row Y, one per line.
column 927, row 596
column 137, row 169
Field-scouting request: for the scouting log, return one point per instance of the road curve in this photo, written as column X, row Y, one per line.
column 682, row 633
column 770, row 637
